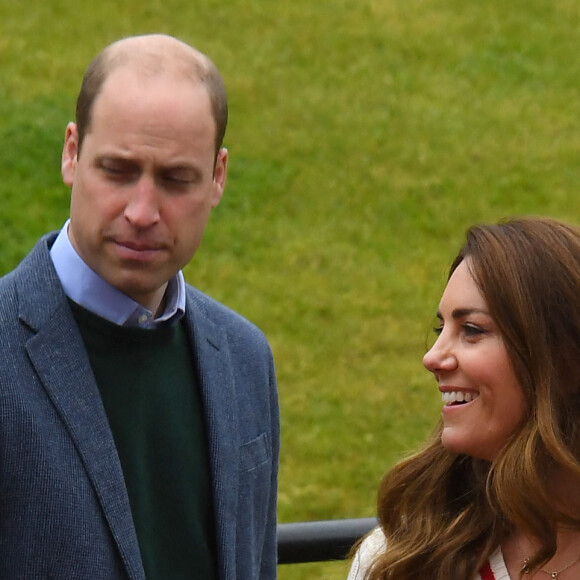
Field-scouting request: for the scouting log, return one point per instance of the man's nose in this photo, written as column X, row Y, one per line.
column 142, row 209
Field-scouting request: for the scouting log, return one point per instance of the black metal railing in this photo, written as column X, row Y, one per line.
column 320, row 541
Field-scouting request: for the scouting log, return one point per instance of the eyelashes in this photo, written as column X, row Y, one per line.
column 469, row 330
column 472, row 330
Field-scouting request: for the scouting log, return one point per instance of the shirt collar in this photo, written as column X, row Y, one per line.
column 85, row 287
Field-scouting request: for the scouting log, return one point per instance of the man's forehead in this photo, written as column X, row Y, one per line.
column 130, row 103
column 153, row 54
column 127, row 88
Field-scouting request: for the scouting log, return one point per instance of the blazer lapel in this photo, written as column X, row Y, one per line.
column 217, row 387
column 58, row 355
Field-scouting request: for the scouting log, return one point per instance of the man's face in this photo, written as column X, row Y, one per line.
column 144, row 184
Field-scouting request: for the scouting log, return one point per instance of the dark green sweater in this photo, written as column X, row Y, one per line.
column 148, row 384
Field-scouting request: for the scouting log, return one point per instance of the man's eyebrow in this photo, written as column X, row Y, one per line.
column 114, row 157
column 181, row 167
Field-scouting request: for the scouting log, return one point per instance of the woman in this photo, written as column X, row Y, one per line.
column 495, row 493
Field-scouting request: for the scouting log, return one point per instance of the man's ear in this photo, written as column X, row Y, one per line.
column 69, row 154
column 219, row 176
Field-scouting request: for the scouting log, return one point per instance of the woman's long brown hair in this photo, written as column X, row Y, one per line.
column 443, row 514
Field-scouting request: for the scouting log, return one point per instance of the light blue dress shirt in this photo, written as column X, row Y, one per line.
column 85, row 287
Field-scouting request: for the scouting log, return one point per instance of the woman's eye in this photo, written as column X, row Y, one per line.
column 438, row 330
column 472, row 330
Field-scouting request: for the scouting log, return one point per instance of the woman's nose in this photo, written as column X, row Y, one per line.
column 440, row 357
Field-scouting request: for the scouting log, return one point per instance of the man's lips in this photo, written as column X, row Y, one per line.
column 138, row 246
column 131, row 250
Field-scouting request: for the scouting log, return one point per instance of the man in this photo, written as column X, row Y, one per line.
column 139, row 426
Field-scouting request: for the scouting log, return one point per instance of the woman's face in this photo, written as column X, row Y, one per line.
column 483, row 400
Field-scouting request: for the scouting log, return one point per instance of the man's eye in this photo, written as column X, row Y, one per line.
column 180, row 177
column 112, row 170
column 118, row 169
column 115, row 170
column 178, row 180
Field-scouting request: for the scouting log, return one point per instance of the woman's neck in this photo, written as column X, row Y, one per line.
column 521, row 546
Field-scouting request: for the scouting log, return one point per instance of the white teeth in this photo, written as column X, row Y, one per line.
column 450, row 397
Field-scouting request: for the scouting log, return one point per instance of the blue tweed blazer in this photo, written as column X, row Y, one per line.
column 64, row 509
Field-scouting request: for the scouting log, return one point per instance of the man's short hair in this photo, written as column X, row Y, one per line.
column 198, row 67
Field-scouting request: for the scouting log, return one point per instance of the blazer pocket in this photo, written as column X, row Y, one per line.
column 254, row 453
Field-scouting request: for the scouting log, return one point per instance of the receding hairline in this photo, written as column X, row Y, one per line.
column 157, row 53
column 149, row 56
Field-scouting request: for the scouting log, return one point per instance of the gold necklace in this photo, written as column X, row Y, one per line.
column 554, row 575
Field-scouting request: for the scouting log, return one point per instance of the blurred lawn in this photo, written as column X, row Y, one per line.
column 365, row 136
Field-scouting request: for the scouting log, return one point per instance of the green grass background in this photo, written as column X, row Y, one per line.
column 365, row 136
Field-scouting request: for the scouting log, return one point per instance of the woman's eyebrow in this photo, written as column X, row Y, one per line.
column 463, row 312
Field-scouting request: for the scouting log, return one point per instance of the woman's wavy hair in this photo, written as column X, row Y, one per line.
column 443, row 513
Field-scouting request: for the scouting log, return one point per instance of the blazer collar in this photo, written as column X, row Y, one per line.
column 57, row 353
column 218, row 391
